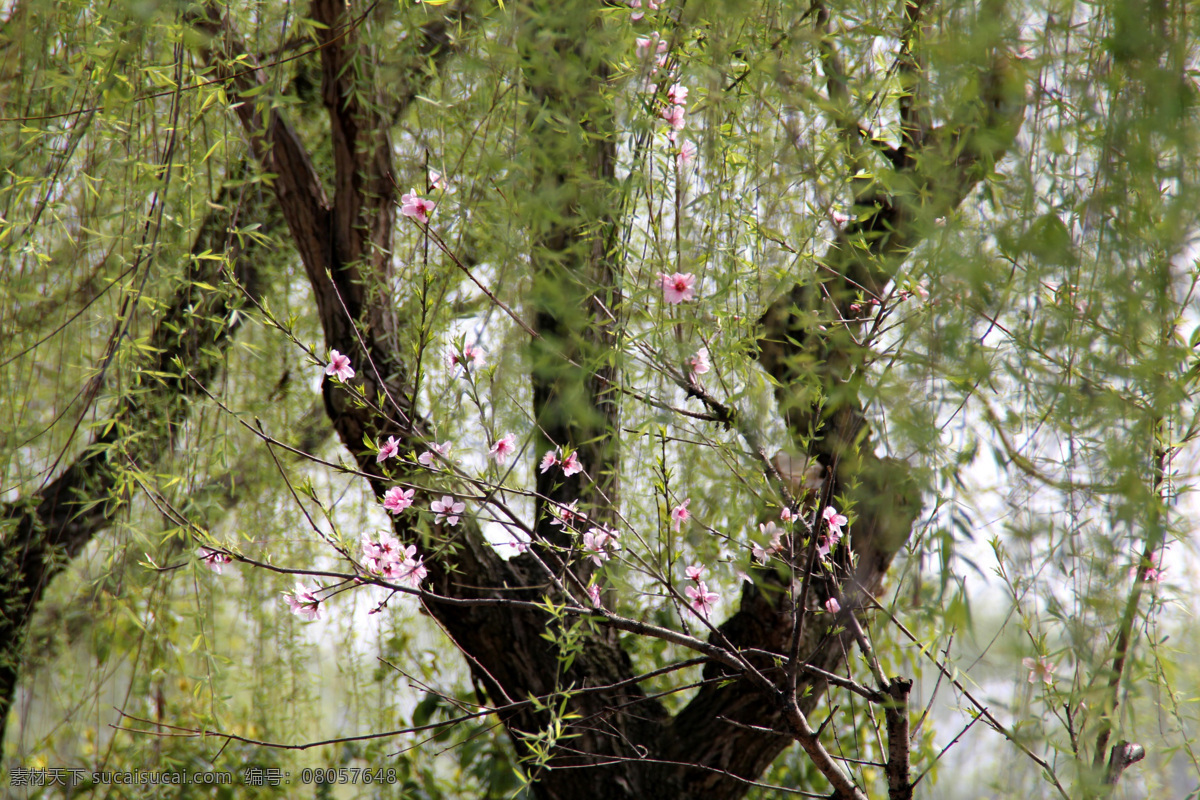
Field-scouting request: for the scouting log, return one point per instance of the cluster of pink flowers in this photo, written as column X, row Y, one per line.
column 597, row 543
column 570, row 465
column 763, row 554
column 214, row 559
column 304, row 602
column 678, row 287
column 387, row 558
column 702, row 600
column 833, row 526
column 674, row 110
column 417, row 207
column 676, row 107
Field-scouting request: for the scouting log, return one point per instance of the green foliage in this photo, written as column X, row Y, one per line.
column 1042, row 399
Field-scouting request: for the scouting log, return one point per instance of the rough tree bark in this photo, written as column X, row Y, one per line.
column 631, row 748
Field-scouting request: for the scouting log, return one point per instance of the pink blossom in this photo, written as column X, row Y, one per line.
column 417, row 207
column 699, row 364
column 472, row 356
column 678, row 287
column 646, row 44
column 832, row 605
column 429, row 457
column 447, row 510
column 694, row 573
column 596, row 543
column 437, row 182
column 382, row 554
column 214, row 560
column 571, row 464
column 412, row 572
column 702, row 599
column 566, row 516
column 1039, row 668
column 593, row 593
column 372, row 554
column 687, row 153
column 390, row 547
column 389, row 570
column 1150, row 573
column 304, row 602
column 396, row 499
column 786, row 515
column 827, row 541
column 839, row 218
column 388, row 450
column 763, row 554
column 504, row 447
column 637, row 4
column 387, row 558
column 680, row 515
column 675, row 116
column 677, row 95
column 772, row 530
column 339, row 365
column 834, row 521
